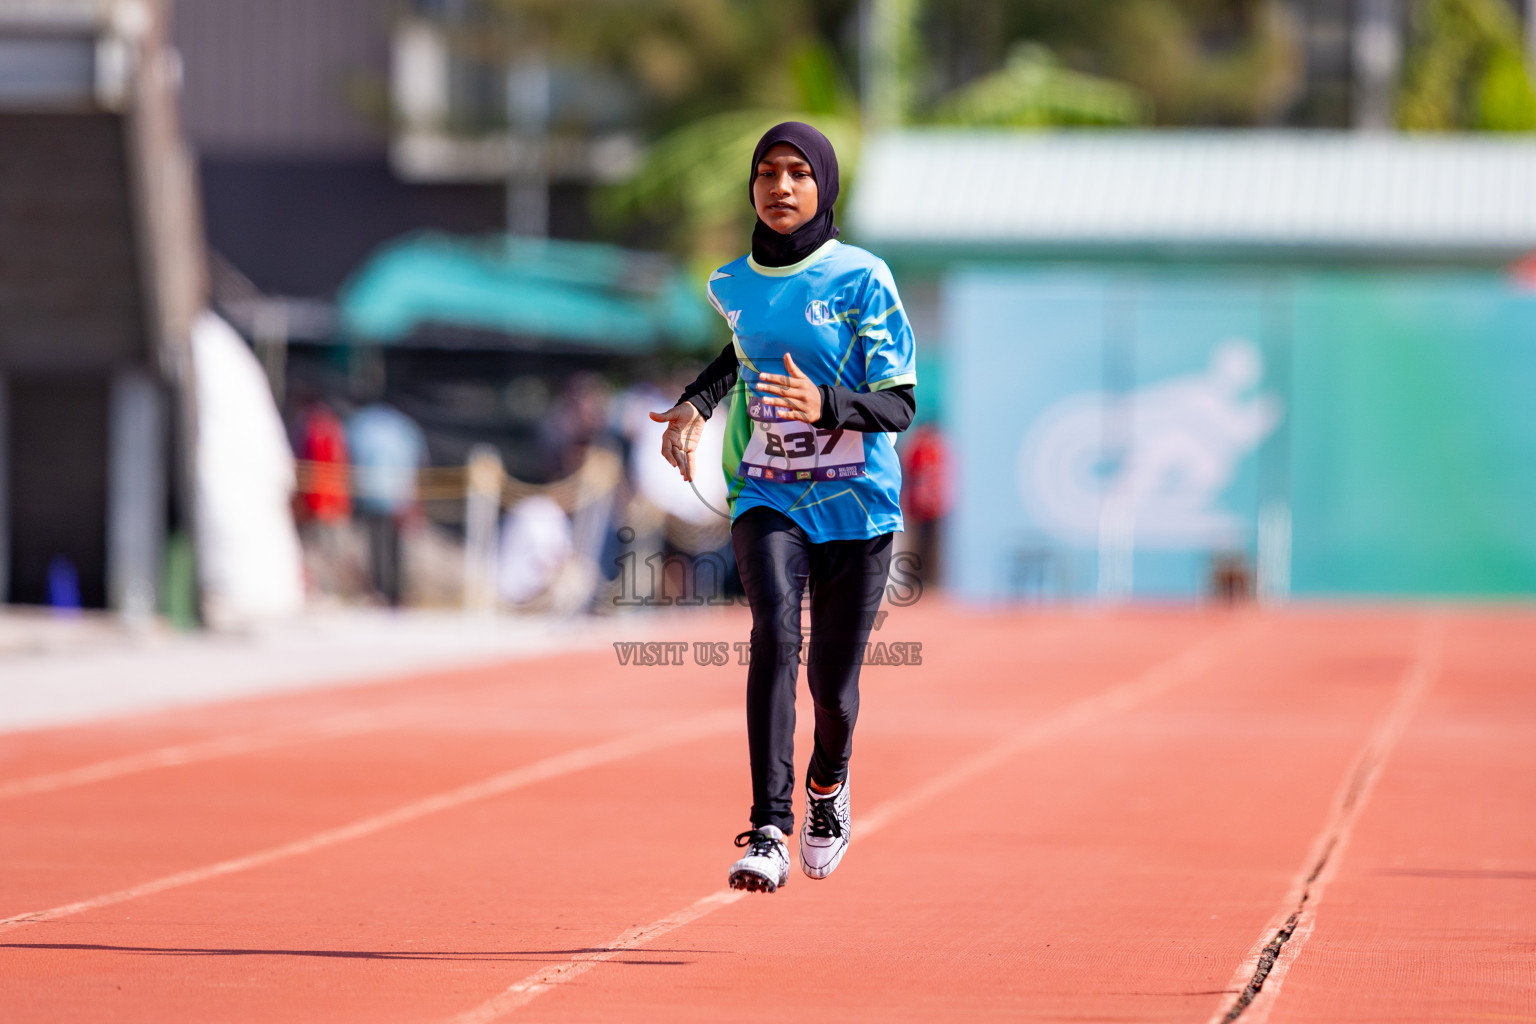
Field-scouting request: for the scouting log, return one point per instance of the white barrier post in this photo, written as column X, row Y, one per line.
column 482, row 514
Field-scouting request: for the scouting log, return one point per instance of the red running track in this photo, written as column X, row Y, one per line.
column 1058, row 816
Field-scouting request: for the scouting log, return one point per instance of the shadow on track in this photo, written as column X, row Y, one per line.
column 516, row 956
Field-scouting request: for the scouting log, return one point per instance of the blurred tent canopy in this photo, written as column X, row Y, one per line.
column 432, row 289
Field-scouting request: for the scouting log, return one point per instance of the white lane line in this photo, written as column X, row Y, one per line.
column 331, row 727
column 350, row 723
column 1293, row 923
column 530, row 988
column 1161, row 677
column 1181, row 668
column 646, row 741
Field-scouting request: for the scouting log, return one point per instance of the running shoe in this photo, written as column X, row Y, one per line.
column 766, row 865
column 827, row 829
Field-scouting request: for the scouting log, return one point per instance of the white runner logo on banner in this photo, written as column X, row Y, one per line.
column 1185, row 438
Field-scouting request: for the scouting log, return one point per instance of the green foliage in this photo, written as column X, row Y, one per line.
column 1466, row 69
column 1504, row 100
column 696, row 178
column 693, row 178
column 1206, row 62
column 819, row 82
column 684, row 58
column 1236, row 64
column 711, row 74
column 1033, row 90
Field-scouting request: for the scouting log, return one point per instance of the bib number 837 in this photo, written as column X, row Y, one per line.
column 799, row 444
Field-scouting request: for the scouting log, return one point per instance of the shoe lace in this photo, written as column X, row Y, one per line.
column 821, row 821
column 758, row 844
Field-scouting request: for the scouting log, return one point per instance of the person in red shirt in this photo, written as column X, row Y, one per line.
column 326, row 496
column 324, row 500
column 925, row 468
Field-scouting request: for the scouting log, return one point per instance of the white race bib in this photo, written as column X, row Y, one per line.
column 793, row 451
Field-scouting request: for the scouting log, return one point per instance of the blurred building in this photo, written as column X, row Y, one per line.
column 286, row 104
column 1166, row 354
column 101, row 274
column 333, row 137
column 324, row 129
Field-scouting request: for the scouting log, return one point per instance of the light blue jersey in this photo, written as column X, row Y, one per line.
column 837, row 314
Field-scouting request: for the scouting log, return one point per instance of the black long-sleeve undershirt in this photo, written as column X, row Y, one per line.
column 713, row 383
column 890, row 409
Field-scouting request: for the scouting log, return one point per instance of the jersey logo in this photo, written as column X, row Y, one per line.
column 733, row 317
column 818, row 313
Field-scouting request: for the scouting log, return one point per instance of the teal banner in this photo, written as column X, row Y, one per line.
column 1123, row 434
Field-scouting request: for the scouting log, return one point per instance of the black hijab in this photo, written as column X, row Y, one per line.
column 770, row 248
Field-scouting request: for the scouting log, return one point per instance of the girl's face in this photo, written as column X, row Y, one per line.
column 784, row 190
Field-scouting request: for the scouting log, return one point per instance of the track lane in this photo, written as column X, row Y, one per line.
column 214, row 914
column 1120, row 875
column 1260, row 976
column 1429, row 915
column 434, row 733
column 1200, row 658
column 1120, row 842
column 219, row 797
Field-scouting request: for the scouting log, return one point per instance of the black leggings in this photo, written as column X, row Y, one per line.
column 847, row 579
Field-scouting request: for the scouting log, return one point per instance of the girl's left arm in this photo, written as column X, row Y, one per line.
column 891, row 409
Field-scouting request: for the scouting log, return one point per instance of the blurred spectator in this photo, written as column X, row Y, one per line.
column 578, row 419
column 388, row 449
column 323, row 444
column 578, row 426
column 1524, row 273
column 325, row 499
column 536, row 542
column 1231, row 578
column 925, row 477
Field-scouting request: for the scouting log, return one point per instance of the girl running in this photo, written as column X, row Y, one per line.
column 820, row 373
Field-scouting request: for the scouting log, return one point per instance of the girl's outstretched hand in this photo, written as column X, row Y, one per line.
column 796, row 394
column 684, row 425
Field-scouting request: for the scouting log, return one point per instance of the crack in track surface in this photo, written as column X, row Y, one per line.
column 1422, row 670
column 1271, row 952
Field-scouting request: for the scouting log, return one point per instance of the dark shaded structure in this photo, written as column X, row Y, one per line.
column 100, row 276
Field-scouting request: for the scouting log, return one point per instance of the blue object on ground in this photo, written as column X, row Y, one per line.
column 63, row 586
